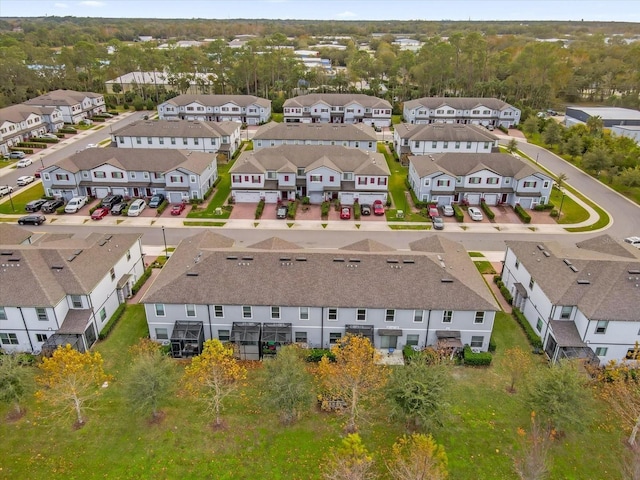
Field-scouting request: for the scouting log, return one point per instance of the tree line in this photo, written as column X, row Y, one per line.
column 472, row 60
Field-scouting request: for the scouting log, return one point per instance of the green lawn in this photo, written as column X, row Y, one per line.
column 21, row 198
column 572, row 212
column 223, row 189
column 479, row 431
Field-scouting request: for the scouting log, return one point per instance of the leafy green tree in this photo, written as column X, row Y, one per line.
column 552, row 134
column 630, row 177
column 512, row 146
column 559, row 395
column 14, row 381
column 150, row 379
column 573, row 146
column 596, row 160
column 531, row 125
column 417, row 393
column 595, row 125
column 287, row 386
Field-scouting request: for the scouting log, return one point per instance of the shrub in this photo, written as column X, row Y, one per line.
column 48, row 140
column 112, row 321
column 162, row 207
column 476, row 359
column 388, row 201
column 68, row 130
column 306, row 200
column 113, row 112
column 37, row 144
column 457, row 212
column 316, row 354
column 60, row 210
column 492, row 345
column 356, row 211
column 145, row 276
column 409, row 353
column 292, row 209
column 487, row 210
column 532, row 336
column 524, row 216
column 324, row 209
column 259, row 209
column 93, row 209
column 503, row 129
column 27, row 151
column 554, row 213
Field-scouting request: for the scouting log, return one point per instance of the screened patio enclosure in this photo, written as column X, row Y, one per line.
column 365, row 331
column 60, row 340
column 187, row 339
column 275, row 336
column 246, row 337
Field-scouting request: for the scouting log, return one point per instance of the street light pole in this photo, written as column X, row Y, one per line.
column 164, row 237
column 11, row 201
column 561, row 202
column 42, row 161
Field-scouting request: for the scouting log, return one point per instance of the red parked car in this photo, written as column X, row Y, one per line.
column 37, row 173
column 177, row 209
column 378, row 207
column 345, row 213
column 98, row 213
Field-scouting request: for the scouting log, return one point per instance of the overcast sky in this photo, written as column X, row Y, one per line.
column 599, row 10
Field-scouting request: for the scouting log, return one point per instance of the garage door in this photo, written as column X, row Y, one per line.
column 175, row 197
column 247, row 197
column 271, row 197
column 369, row 198
column 491, row 199
column 102, row 192
column 316, row 198
column 526, row 203
column 473, row 198
column 346, row 198
column 119, row 191
column 444, row 200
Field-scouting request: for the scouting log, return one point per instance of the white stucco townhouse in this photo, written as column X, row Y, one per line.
column 338, row 108
column 75, row 106
column 194, row 135
column 318, row 172
column 471, row 178
column 583, row 300
column 478, row 111
column 358, row 135
column 19, row 123
column 319, row 296
column 68, row 288
column 180, row 175
column 246, row 109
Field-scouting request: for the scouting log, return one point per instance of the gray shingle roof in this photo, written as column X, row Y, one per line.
column 136, row 159
column 290, row 157
column 459, row 103
column 39, row 284
column 607, row 290
column 444, row 132
column 337, row 99
column 316, row 131
column 13, row 234
column 218, row 100
column 18, row 113
column 62, row 97
column 313, row 278
column 461, row 164
column 177, row 128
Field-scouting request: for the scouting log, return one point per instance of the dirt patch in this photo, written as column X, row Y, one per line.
column 157, row 419
column 15, row 415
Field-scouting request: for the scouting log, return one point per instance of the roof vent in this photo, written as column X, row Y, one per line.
column 14, row 259
column 108, row 237
column 77, row 252
column 192, row 274
column 633, row 272
column 446, row 280
column 567, row 261
column 6, row 252
column 57, row 267
column 102, row 243
column 392, row 260
column 285, row 259
column 584, row 282
column 408, row 260
column 540, row 247
column 247, row 258
column 338, row 260
column 232, row 257
column 301, row 259
column 71, row 258
column 573, row 268
column 546, row 254
column 354, row 260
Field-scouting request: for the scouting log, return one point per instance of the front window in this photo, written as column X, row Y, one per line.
column 191, row 310
column 218, row 311
column 3, row 314
column 315, row 178
column 103, row 314
column 361, row 315
column 418, row 315
column 224, row 335
column 390, row 315
column 447, row 315
column 275, row 313
column 246, row 312
column 9, row 339
column 301, row 337
column 566, row 312
column 601, row 326
column 474, row 180
column 42, row 314
column 539, row 325
column 601, row 351
column 333, row 314
column 304, row 313
column 159, row 309
column 76, row 301
column 112, row 272
column 479, row 317
column 413, row 339
column 41, row 337
column 334, row 337
column 477, row 341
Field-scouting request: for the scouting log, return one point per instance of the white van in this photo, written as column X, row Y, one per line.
column 136, row 207
column 75, row 204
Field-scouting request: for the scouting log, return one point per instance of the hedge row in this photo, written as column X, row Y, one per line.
column 503, row 289
column 476, row 359
column 524, row 216
column 316, row 354
column 292, row 209
column 259, row 209
column 162, row 207
column 27, row 151
column 487, row 210
column 418, row 204
column 532, row 336
column 112, row 321
column 138, row 285
column 356, row 211
column 544, row 206
column 47, row 140
column 324, row 210
column 457, row 212
column 37, row 144
column 68, row 130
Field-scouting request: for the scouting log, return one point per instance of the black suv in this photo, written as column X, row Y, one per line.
column 35, row 205
column 118, row 208
column 52, row 205
column 111, row 200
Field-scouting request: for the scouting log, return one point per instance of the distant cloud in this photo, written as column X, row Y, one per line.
column 92, row 3
column 61, row 5
column 346, row 14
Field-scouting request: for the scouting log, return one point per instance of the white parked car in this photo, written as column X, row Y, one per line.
column 5, row 189
column 91, row 145
column 136, row 208
column 49, row 135
column 25, row 162
column 633, row 241
column 25, row 180
column 475, row 214
column 447, row 211
column 75, row 204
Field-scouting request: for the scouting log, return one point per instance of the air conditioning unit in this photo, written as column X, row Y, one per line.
column 166, row 342
column 475, row 350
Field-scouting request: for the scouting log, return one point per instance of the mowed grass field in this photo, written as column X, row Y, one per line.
column 479, row 431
